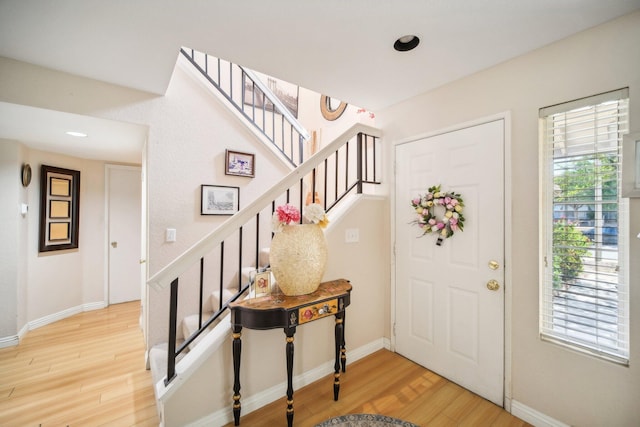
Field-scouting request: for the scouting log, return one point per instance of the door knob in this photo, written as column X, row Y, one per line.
column 494, row 265
column 493, row 285
column 114, row 245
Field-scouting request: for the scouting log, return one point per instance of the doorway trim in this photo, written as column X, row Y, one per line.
column 508, row 294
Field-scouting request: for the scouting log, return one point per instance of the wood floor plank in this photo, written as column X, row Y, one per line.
column 385, row 383
column 88, row 370
column 85, row 370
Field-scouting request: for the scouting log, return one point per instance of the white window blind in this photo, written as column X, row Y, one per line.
column 584, row 293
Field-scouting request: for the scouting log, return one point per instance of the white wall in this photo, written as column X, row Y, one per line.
column 570, row 387
column 60, row 280
column 40, row 287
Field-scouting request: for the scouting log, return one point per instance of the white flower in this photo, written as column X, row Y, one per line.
column 315, row 213
column 276, row 225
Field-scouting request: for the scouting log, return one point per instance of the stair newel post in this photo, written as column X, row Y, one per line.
column 173, row 316
column 359, row 163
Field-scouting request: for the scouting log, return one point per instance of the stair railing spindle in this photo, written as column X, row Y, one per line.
column 201, row 292
column 221, row 285
column 173, row 321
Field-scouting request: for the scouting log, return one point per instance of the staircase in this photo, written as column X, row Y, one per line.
column 216, row 270
column 262, row 110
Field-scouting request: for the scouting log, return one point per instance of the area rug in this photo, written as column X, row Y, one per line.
column 365, row 420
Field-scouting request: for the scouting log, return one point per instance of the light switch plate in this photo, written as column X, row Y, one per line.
column 170, row 235
column 352, row 235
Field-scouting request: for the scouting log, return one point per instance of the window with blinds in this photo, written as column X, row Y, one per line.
column 584, row 292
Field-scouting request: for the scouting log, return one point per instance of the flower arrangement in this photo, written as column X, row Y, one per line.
column 288, row 214
column 429, row 222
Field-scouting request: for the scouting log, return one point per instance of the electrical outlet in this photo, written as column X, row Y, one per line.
column 352, row 235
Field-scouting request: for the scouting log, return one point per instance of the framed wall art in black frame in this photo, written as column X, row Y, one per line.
column 59, row 208
column 219, row 200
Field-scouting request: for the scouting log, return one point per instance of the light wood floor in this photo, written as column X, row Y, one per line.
column 386, row 383
column 88, row 370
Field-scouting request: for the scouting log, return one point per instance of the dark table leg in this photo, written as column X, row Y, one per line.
column 343, row 348
column 237, row 347
column 290, row 332
column 339, row 336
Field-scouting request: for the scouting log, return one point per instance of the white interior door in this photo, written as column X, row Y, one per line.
column 124, row 207
column 447, row 319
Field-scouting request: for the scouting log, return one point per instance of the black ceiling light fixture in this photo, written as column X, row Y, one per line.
column 406, row 43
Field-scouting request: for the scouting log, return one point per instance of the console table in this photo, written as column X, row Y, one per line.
column 330, row 299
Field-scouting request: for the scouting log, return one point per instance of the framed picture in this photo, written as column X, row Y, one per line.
column 286, row 92
column 59, row 208
column 240, row 164
column 219, row 200
column 261, row 283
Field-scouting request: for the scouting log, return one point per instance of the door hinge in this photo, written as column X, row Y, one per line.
column 394, row 329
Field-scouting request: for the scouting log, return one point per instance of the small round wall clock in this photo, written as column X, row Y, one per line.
column 26, row 175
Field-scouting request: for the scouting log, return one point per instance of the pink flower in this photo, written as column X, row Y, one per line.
column 440, row 225
column 288, row 214
column 416, row 201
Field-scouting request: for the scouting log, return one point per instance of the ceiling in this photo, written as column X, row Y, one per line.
column 340, row 48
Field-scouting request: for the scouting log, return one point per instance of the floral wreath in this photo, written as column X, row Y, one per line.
column 452, row 221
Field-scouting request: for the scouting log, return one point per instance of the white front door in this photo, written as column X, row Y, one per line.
column 447, row 318
column 124, row 206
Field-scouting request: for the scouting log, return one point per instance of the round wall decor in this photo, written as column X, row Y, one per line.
column 328, row 111
column 26, row 175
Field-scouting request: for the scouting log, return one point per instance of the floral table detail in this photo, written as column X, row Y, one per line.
column 298, row 254
column 429, row 222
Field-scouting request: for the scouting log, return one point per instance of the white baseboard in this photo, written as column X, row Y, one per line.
column 257, row 401
column 11, row 341
column 530, row 415
column 38, row 323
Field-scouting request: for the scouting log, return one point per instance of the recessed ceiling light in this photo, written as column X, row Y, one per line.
column 76, row 133
column 406, row 43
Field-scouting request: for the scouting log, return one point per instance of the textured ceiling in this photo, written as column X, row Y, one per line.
column 340, row 48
